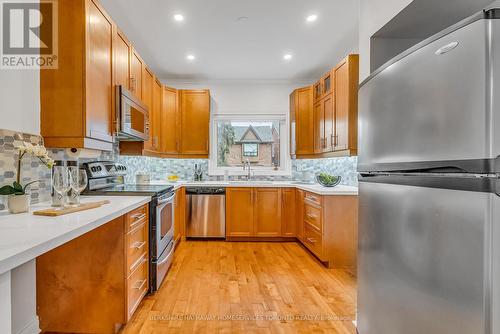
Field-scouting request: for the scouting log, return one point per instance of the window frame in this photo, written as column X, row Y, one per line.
column 250, row 156
column 285, row 168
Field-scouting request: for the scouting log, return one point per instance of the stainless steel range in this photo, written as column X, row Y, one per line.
column 107, row 178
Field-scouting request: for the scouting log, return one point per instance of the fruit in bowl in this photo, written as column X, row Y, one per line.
column 327, row 180
column 173, row 178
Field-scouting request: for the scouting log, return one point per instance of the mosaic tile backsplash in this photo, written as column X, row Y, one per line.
column 159, row 169
column 33, row 169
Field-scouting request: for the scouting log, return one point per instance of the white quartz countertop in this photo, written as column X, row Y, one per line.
column 25, row 236
column 314, row 188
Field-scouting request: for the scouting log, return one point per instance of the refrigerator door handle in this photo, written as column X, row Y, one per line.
column 447, row 48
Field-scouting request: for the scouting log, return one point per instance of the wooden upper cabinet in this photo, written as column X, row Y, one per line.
column 122, row 53
column 319, row 127
column 147, row 98
column 99, row 74
column 302, row 121
column 195, row 122
column 334, row 114
column 267, row 212
column 136, row 74
column 77, row 98
column 317, row 91
column 288, row 213
column 346, row 105
column 327, row 84
column 155, row 117
column 329, row 121
column 239, row 212
column 170, row 140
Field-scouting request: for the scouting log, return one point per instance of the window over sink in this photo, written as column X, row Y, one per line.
column 260, row 140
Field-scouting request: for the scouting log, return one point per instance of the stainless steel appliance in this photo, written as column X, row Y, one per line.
column 206, row 212
column 107, row 178
column 429, row 168
column 132, row 116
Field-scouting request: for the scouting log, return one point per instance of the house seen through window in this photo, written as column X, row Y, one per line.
column 255, row 141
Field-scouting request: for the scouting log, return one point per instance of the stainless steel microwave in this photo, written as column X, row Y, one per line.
column 132, row 116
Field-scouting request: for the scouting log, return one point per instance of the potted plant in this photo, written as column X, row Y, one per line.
column 18, row 200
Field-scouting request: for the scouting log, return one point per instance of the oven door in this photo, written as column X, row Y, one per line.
column 164, row 223
column 163, row 264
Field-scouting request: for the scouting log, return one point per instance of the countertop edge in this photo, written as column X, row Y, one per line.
column 32, row 253
column 324, row 191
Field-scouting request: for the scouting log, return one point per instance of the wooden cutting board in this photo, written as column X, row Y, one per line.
column 54, row 212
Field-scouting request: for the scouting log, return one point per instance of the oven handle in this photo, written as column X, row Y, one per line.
column 169, row 199
column 168, row 255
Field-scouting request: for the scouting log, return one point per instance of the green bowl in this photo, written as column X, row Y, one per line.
column 337, row 181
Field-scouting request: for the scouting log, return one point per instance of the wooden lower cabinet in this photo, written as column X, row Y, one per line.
column 94, row 283
column 267, row 212
column 239, row 212
column 299, row 209
column 288, row 212
column 330, row 228
column 253, row 212
column 179, row 215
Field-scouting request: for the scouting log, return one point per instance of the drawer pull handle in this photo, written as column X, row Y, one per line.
column 138, row 244
column 139, row 284
column 311, row 216
column 137, row 219
column 139, row 216
column 311, row 240
column 138, row 263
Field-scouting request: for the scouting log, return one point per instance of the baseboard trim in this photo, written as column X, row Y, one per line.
column 33, row 327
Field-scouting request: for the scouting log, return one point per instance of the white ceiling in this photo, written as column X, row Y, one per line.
column 228, row 49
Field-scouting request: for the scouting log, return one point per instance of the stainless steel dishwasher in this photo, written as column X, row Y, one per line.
column 206, row 212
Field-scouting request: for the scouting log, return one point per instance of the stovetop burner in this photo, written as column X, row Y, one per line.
column 138, row 188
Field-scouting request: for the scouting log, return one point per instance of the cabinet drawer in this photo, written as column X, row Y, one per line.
column 312, row 215
column 136, row 217
column 137, row 286
column 313, row 198
column 313, row 240
column 137, row 247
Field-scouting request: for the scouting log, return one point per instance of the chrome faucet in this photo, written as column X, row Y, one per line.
column 246, row 165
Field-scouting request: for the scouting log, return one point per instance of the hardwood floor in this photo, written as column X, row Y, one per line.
column 264, row 287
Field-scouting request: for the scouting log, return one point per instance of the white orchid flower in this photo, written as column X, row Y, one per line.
column 29, row 148
column 21, row 148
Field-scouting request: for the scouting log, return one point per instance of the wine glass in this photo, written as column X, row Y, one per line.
column 78, row 183
column 60, row 182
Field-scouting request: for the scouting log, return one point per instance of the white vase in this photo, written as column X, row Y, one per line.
column 18, row 203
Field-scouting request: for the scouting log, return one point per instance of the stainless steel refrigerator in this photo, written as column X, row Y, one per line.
column 429, row 168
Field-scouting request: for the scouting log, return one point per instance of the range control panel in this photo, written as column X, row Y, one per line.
column 100, row 169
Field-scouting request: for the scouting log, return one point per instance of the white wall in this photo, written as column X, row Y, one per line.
column 373, row 15
column 245, row 97
column 20, row 100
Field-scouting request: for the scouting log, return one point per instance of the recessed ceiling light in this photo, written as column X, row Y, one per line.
column 287, row 56
column 312, row 18
column 190, row 57
column 178, row 17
